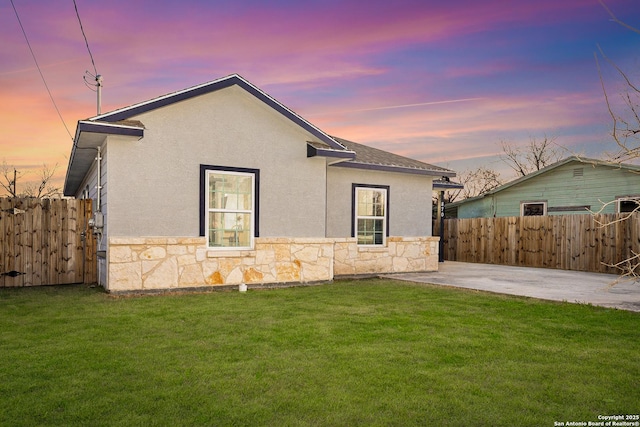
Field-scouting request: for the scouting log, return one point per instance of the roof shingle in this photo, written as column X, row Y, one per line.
column 373, row 158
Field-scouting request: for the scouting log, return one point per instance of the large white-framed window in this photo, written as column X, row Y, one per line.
column 627, row 204
column 370, row 214
column 534, row 208
column 228, row 207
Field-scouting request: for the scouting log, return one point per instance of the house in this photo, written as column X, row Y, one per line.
column 574, row 185
column 220, row 184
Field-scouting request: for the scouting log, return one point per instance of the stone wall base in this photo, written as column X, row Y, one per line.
column 401, row 255
column 166, row 263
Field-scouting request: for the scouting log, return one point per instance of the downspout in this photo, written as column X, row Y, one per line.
column 99, row 180
column 441, row 243
column 98, row 218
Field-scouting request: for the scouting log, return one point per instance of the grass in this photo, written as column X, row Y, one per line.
column 371, row 352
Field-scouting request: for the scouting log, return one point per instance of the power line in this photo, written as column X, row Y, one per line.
column 85, row 37
column 40, row 71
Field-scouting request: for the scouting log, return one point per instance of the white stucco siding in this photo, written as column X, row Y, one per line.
column 154, row 183
column 409, row 198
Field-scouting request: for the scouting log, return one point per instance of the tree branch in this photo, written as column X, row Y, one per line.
column 617, row 21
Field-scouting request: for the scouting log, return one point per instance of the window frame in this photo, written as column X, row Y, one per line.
column 354, row 212
column 620, row 199
column 534, row 202
column 205, row 172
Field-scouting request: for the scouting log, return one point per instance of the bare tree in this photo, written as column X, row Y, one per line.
column 9, row 178
column 476, row 182
column 629, row 268
column 39, row 188
column 626, row 119
column 536, row 155
column 625, row 132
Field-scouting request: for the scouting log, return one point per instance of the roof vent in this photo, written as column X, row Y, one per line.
column 578, row 172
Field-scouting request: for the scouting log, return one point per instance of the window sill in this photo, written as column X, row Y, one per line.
column 242, row 253
column 372, row 248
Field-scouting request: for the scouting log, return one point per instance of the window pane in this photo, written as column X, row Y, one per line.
column 244, row 184
column 378, row 203
column 230, row 211
column 364, row 237
column 370, row 218
column 371, row 203
column 629, row 205
column 244, row 202
column 228, row 229
column 364, row 202
column 533, row 209
column 230, row 192
column 216, row 192
column 231, row 201
column 370, row 231
column 216, row 229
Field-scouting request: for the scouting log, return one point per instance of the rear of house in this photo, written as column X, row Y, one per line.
column 571, row 186
column 220, row 184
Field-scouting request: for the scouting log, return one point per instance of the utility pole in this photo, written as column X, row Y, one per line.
column 99, row 91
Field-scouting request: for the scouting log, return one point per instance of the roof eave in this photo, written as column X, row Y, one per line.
column 89, row 126
column 439, row 185
column 399, row 169
column 328, row 152
column 79, row 165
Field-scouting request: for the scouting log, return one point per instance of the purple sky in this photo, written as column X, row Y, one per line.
column 442, row 82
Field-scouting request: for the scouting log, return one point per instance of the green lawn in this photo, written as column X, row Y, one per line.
column 370, row 352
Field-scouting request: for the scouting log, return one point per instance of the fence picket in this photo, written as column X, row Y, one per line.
column 46, row 240
column 569, row 242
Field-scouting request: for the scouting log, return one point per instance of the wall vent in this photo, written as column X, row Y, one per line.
column 578, row 172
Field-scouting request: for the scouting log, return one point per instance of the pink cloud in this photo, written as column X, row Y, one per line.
column 300, row 54
column 265, row 36
column 460, row 127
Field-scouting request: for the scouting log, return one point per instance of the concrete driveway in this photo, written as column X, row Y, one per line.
column 542, row 283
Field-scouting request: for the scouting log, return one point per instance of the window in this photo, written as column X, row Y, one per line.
column 627, row 204
column 533, row 208
column 370, row 206
column 228, row 217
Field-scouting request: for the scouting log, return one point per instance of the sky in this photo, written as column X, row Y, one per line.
column 441, row 82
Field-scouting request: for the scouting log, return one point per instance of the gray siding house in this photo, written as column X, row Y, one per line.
column 220, row 184
column 573, row 185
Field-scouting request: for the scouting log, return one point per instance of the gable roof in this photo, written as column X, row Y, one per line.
column 577, row 159
column 212, row 86
column 91, row 133
column 375, row 159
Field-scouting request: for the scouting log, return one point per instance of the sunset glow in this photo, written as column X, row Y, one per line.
column 441, row 82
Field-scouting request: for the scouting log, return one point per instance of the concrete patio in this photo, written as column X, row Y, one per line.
column 556, row 285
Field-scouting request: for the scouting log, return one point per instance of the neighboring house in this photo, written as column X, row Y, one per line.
column 574, row 185
column 220, row 184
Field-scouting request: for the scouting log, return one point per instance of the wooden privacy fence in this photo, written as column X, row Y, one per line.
column 568, row 242
column 46, row 242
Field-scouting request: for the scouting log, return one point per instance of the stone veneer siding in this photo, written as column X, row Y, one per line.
column 401, row 255
column 156, row 263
